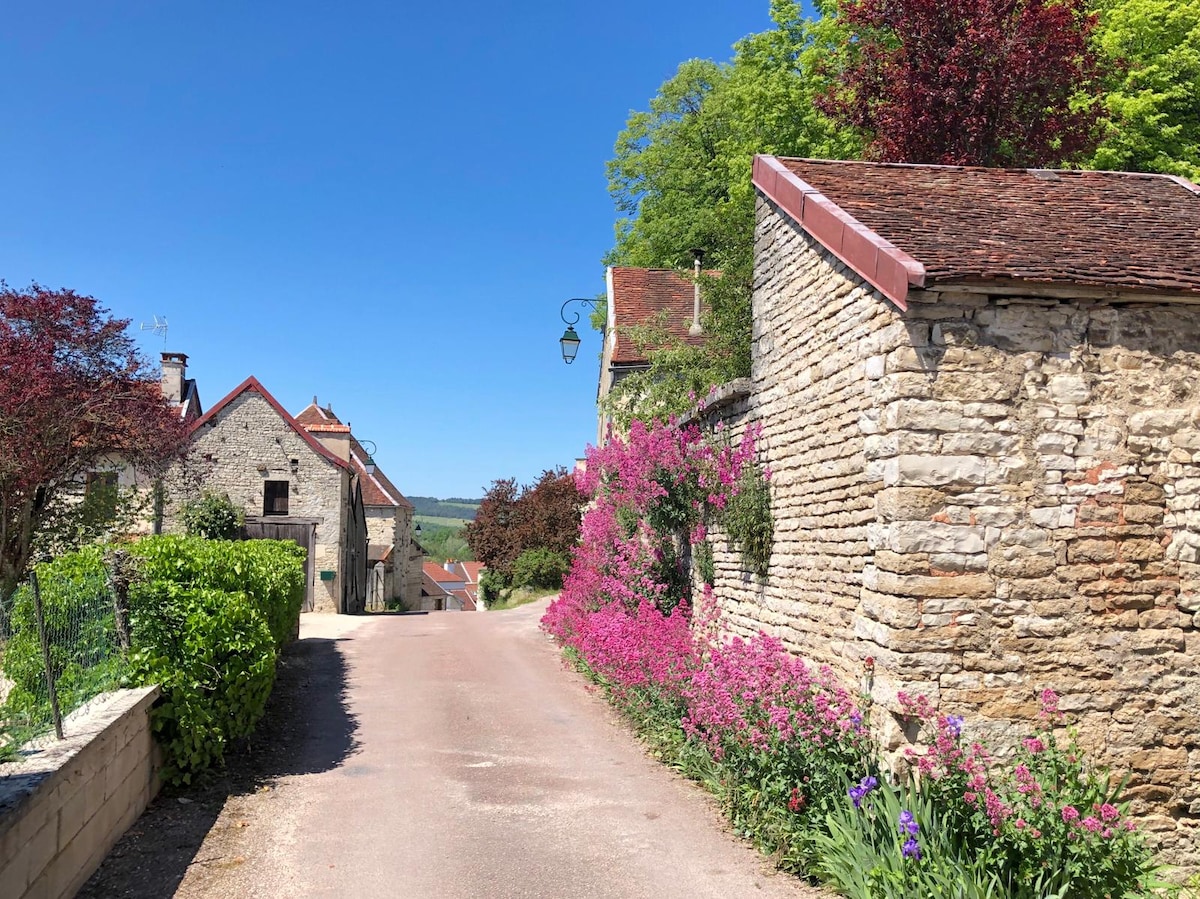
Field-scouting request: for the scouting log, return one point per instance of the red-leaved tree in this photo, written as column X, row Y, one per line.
column 968, row 82
column 74, row 395
column 511, row 520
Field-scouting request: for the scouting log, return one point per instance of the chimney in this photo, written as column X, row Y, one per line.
column 695, row 330
column 174, row 374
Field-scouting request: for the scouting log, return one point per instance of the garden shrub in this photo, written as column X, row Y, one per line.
column 209, row 618
column 490, row 585
column 540, row 568
column 270, row 572
column 213, row 516
column 84, row 655
column 213, row 654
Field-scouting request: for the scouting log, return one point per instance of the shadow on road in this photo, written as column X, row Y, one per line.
column 307, row 729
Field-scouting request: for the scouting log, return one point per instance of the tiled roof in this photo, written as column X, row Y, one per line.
column 914, row 225
column 436, row 572
column 313, row 414
column 650, row 296
column 430, row 587
column 472, row 570
column 377, row 489
column 379, row 552
column 252, row 385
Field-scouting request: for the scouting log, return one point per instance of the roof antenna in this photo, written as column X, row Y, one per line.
column 159, row 327
column 695, row 330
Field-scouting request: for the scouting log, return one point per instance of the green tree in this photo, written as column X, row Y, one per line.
column 1153, row 100
column 681, row 180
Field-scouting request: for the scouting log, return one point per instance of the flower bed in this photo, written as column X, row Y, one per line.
column 786, row 748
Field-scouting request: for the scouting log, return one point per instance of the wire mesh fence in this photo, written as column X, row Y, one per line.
column 62, row 642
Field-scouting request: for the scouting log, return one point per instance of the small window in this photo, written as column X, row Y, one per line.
column 100, row 497
column 275, row 498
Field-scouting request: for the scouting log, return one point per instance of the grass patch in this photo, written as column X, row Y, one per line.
column 437, row 521
column 519, row 596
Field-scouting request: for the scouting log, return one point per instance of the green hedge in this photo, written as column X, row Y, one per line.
column 207, row 621
column 84, row 656
column 269, row 572
column 209, row 618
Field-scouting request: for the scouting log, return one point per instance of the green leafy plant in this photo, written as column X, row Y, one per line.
column 79, row 618
column 213, row 654
column 542, row 568
column 747, row 520
column 213, row 516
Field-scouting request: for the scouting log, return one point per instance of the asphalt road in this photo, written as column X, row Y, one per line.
column 452, row 755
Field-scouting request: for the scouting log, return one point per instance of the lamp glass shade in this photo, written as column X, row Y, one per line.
column 570, row 345
column 369, row 465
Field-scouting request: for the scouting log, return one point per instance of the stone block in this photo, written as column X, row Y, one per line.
column 1159, row 422
column 908, row 503
column 1092, row 551
column 934, row 537
column 935, row 471
column 1068, row 389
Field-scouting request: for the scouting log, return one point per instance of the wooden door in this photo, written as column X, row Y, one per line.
column 302, row 533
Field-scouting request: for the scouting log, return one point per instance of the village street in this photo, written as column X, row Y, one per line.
column 462, row 760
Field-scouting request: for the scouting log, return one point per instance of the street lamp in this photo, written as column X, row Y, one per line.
column 570, row 339
column 369, row 462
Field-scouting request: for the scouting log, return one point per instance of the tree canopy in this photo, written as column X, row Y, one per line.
column 1152, row 105
column 74, row 395
column 988, row 82
column 967, row 82
column 512, row 519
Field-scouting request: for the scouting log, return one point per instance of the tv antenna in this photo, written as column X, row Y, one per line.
column 159, row 327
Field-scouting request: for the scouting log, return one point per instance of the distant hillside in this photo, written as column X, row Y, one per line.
column 453, row 508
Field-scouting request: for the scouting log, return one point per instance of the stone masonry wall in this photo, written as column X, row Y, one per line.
column 989, row 495
column 64, row 807
column 240, row 449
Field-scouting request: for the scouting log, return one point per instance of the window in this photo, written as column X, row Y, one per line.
column 275, row 498
column 100, row 497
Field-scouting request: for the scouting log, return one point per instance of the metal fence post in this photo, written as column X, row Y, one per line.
column 50, row 686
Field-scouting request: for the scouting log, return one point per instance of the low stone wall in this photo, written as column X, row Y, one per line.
column 64, row 807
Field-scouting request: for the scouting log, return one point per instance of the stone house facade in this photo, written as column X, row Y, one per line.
column 389, row 518
column 979, row 394
column 289, row 483
column 642, row 298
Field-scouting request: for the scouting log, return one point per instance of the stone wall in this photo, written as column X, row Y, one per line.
column 990, row 495
column 65, row 806
column 241, row 448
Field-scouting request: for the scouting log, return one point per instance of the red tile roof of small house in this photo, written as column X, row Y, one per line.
column 312, row 414
column 252, row 385
column 650, row 296
column 902, row 226
column 472, row 570
column 435, row 571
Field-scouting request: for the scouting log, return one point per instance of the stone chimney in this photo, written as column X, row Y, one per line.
column 335, row 438
column 174, row 375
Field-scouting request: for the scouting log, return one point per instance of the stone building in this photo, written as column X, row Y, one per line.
column 290, row 484
column 643, row 299
column 394, row 567
column 979, row 393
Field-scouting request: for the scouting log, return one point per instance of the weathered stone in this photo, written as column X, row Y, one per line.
column 933, row 537
column 935, row 471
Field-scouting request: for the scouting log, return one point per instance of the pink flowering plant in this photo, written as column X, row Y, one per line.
column 783, row 745
column 1047, row 818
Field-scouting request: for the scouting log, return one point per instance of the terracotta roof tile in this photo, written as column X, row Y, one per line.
column 315, row 415
column 1116, row 230
column 648, row 296
column 439, row 574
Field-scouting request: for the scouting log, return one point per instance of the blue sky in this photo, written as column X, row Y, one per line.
column 383, row 204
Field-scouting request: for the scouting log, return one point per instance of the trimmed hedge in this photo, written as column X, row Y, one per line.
column 80, row 627
column 207, row 621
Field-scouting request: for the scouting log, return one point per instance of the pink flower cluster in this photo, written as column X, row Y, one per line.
column 746, row 693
